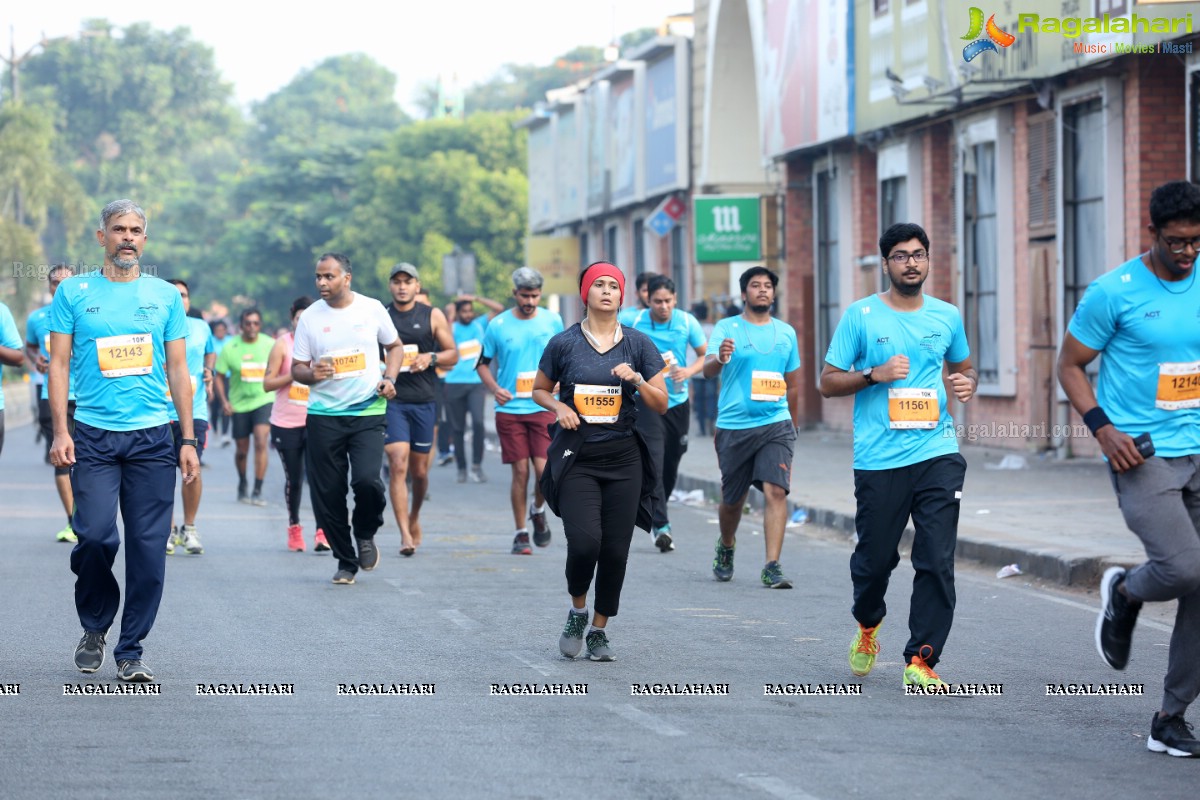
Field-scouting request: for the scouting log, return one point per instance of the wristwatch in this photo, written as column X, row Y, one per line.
column 389, row 379
column 866, row 373
column 433, row 360
column 193, row 442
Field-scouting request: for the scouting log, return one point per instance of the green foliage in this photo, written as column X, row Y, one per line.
column 522, row 85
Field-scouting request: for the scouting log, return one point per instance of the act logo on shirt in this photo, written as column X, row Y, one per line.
column 1152, row 314
column 93, row 310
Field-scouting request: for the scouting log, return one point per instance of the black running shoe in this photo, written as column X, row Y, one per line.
column 1114, row 625
column 1172, row 736
column 89, row 653
column 521, row 545
column 134, row 671
column 368, row 554
column 541, row 530
column 343, row 577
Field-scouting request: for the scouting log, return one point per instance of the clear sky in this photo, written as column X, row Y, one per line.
column 261, row 46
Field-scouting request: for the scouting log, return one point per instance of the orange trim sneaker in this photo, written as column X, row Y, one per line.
column 918, row 673
column 863, row 649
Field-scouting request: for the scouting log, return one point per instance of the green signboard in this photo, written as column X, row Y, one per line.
column 727, row 228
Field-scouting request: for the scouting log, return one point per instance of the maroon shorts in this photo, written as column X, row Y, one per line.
column 523, row 436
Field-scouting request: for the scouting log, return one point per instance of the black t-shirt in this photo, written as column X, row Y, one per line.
column 604, row 399
column 415, row 327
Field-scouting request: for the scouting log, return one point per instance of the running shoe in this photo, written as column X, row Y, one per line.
column 89, row 653
column 67, row 534
column 256, row 499
column 1173, row 736
column 295, row 538
column 597, row 646
column 343, row 577
column 723, row 562
column 444, row 459
column 863, row 649
column 188, row 539
column 321, row 544
column 662, row 539
column 171, row 540
column 477, row 474
column 462, row 476
column 773, row 577
column 918, row 673
column 1117, row 618
column 134, row 671
column 571, row 642
column 368, row 554
column 541, row 531
column 243, row 497
column 521, row 544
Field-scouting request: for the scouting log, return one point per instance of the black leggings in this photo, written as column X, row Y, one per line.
column 599, row 498
column 461, row 399
column 290, row 443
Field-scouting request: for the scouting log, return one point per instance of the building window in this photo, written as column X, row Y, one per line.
column 583, row 249
column 639, row 245
column 881, row 7
column 829, row 286
column 1114, row 8
column 610, row 243
column 1083, row 199
column 981, row 259
column 893, row 202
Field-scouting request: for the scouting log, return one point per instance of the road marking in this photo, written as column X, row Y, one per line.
column 460, row 619
column 648, row 721
column 540, row 667
column 399, row 584
column 1091, row 609
column 775, row 787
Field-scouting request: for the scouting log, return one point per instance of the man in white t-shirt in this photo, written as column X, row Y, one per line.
column 336, row 353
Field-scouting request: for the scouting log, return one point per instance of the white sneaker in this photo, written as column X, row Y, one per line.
column 188, row 539
column 171, row 540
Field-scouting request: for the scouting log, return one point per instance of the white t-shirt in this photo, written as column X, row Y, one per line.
column 350, row 337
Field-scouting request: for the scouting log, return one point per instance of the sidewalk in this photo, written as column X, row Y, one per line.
column 1057, row 520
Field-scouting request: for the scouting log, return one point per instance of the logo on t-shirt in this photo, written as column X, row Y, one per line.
column 1152, row 314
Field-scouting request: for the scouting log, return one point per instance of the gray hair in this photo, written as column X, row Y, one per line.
column 527, row 278
column 118, row 208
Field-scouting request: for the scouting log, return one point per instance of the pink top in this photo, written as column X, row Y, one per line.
column 291, row 402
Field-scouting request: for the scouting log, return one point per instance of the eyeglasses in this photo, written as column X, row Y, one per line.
column 1179, row 245
column 902, row 258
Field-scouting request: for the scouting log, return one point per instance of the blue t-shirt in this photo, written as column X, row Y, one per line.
column 753, row 392
column 672, row 338
column 627, row 315
column 9, row 337
column 37, row 332
column 199, row 344
column 118, row 356
column 897, row 424
column 1149, row 332
column 468, row 340
column 514, row 347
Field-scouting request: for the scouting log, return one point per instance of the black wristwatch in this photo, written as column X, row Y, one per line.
column 433, row 359
column 866, row 373
column 193, row 442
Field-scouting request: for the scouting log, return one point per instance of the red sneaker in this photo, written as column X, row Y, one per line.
column 296, row 538
column 321, row 545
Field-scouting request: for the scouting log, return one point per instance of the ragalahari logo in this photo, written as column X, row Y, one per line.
column 995, row 36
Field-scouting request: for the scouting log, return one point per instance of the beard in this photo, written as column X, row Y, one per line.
column 759, row 309
column 125, row 262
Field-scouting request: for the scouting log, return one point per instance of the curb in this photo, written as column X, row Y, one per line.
column 1047, row 565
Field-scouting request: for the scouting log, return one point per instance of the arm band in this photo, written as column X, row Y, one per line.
column 1096, row 419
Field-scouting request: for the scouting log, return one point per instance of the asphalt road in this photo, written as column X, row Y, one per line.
column 464, row 614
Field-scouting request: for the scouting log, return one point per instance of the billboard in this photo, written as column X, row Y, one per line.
column 541, row 176
column 727, row 228
column 665, row 123
column 596, row 125
column 557, row 258
column 568, row 177
column 624, row 140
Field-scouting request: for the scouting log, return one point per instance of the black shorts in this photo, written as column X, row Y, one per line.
column 46, row 423
column 245, row 422
column 199, row 427
column 754, row 456
column 288, row 438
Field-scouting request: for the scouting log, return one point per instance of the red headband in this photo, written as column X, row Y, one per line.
column 599, row 269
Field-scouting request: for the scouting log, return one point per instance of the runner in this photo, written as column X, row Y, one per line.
column 201, row 356
column 427, row 341
column 122, row 336
column 347, row 404
column 601, row 478
column 515, row 341
column 759, row 366
column 244, row 361
column 1146, row 417
column 666, row 435
column 288, row 417
column 11, row 355
column 218, row 419
column 465, row 391
column 37, row 340
column 889, row 351
column 626, row 316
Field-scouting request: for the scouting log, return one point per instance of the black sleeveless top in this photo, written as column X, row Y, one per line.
column 415, row 327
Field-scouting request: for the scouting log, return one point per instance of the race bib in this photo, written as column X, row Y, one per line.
column 194, row 384
column 767, row 387
column 349, row 363
column 469, row 351
column 1178, row 386
column 668, row 357
column 913, row 409
column 410, row 357
column 598, row 404
column 525, row 383
column 298, row 394
column 252, row 371
column 120, row 356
